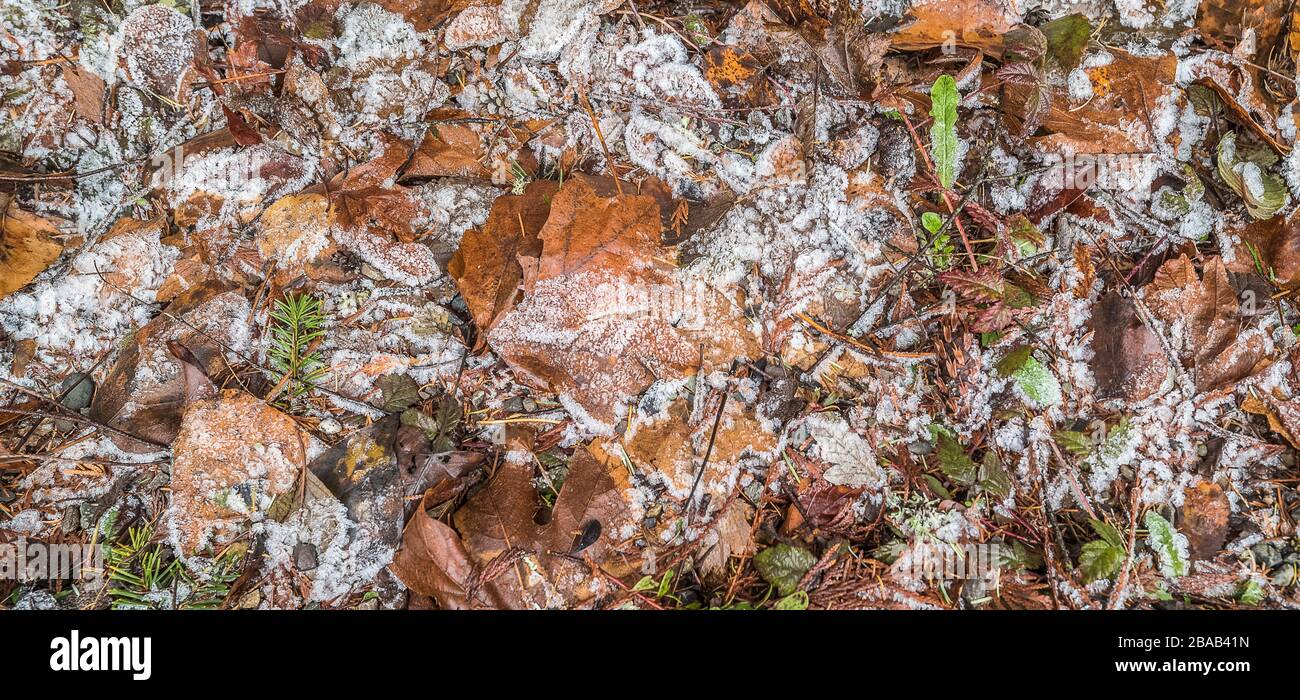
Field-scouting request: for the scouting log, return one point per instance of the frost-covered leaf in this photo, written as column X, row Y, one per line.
column 604, row 314
column 1170, row 545
column 783, row 566
column 853, row 463
column 1038, row 383
column 1264, row 193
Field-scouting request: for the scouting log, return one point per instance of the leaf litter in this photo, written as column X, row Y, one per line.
column 711, row 304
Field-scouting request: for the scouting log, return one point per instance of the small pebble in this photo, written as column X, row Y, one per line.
column 80, row 388
column 330, row 426
column 304, row 556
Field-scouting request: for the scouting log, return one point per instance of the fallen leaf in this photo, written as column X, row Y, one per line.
column 605, row 313
column 232, row 456
column 1205, row 519
column 976, row 23
column 504, row 516
column 487, row 266
column 27, row 247
column 1211, row 343
column 146, row 389
column 448, row 150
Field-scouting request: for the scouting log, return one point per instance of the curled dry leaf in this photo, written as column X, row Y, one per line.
column 487, row 266
column 27, row 247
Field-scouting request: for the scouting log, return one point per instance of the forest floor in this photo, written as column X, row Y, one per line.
column 960, row 304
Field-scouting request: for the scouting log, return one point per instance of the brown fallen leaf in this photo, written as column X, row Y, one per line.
column 730, row 536
column 1118, row 119
column 1128, row 360
column 147, row 388
column 487, row 266
column 87, row 92
column 233, row 455
column 605, row 312
column 448, row 150
column 673, row 442
column 27, row 247
column 1211, row 343
column 976, row 23
column 504, row 516
column 1205, row 519
column 432, row 561
column 1283, row 415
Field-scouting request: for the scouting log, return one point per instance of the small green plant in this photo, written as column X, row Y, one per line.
column 941, row 248
column 519, row 178
column 1102, row 558
column 296, row 323
column 1170, row 546
column 660, row 589
column 145, row 576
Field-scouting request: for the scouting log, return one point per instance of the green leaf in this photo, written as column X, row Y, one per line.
column 1100, row 559
column 992, row 477
column 1014, row 360
column 943, row 133
column 1250, row 592
column 1067, row 37
column 1038, row 383
column 1017, row 557
column 1244, row 171
column 399, row 392
column 783, row 566
column 795, row 601
column 954, row 462
column 1108, row 533
column 1074, row 442
column 1169, row 545
column 931, row 221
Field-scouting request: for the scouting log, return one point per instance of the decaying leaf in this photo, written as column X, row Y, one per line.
column 1205, row 519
